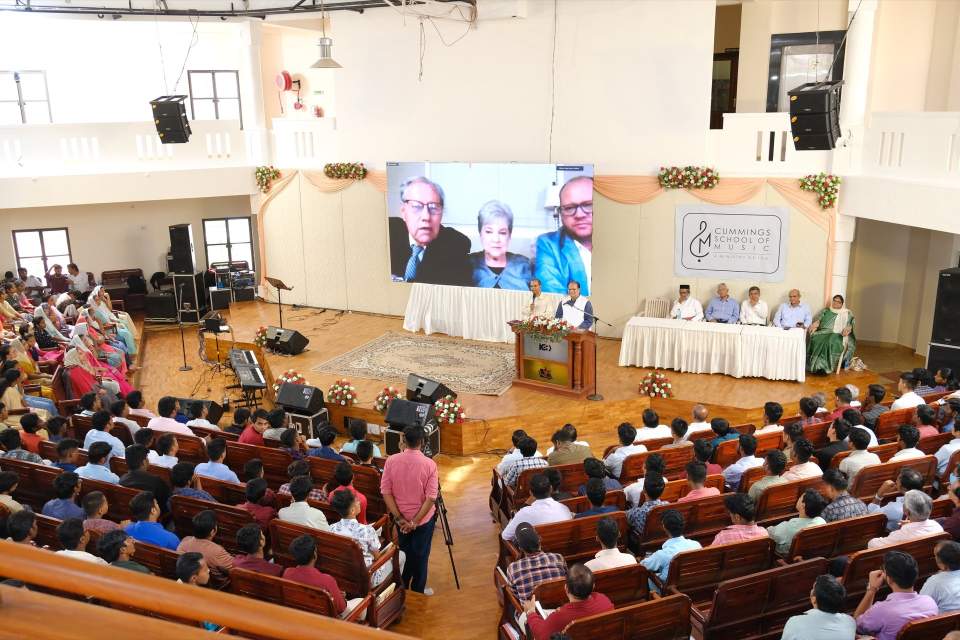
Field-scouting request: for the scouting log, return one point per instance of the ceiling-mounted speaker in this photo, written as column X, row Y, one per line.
column 170, row 118
column 815, row 115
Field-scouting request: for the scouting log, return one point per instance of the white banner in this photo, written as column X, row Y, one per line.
column 731, row 242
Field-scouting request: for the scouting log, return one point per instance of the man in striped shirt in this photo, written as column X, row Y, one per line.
column 528, row 448
column 535, row 566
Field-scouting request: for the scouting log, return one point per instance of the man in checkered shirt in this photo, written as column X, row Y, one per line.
column 528, row 448
column 535, row 566
column 842, row 504
column 302, row 468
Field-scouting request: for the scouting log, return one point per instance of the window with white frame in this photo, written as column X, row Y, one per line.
column 39, row 249
column 24, row 98
column 214, row 95
column 228, row 240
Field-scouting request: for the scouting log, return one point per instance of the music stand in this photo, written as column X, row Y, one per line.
column 277, row 284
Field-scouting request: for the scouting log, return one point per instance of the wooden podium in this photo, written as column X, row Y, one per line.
column 565, row 368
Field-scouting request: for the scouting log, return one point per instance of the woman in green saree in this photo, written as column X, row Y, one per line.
column 831, row 338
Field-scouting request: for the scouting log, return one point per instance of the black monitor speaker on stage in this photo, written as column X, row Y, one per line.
column 286, row 341
column 300, row 398
column 405, row 413
column 420, row 389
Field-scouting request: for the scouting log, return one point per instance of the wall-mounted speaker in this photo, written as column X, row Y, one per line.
column 170, row 118
column 814, row 115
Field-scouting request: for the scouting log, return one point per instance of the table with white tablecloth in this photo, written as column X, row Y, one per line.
column 708, row 347
column 470, row 312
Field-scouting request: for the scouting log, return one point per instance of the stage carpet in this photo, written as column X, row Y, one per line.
column 481, row 368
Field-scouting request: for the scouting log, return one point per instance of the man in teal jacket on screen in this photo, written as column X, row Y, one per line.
column 565, row 254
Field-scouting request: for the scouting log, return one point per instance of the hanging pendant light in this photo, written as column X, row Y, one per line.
column 326, row 60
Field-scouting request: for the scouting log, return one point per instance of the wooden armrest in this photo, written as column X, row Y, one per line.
column 360, row 609
column 118, row 304
column 382, row 523
column 385, row 556
column 46, row 366
column 697, row 615
column 656, row 580
column 31, row 388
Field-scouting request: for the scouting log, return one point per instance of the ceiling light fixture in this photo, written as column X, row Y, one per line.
column 326, row 60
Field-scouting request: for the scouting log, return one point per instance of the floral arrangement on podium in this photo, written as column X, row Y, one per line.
column 543, row 328
column 825, row 185
column 343, row 393
column 260, row 337
column 266, row 175
column 688, row 177
column 345, row 170
column 449, row 411
column 656, row 385
column 290, row 375
column 384, row 398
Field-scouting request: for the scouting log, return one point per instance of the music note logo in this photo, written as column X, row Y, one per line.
column 701, row 243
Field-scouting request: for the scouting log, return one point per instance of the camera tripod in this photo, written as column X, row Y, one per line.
column 447, row 533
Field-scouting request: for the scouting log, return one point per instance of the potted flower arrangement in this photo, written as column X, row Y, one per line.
column 342, row 392
column 260, row 337
column 543, row 328
column 825, row 185
column 656, row 385
column 384, row 398
column 449, row 411
column 290, row 375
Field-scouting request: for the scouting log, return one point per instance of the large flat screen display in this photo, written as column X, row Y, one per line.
column 491, row 225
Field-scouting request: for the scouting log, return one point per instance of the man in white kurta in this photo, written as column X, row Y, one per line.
column 753, row 310
column 539, row 305
column 685, row 307
column 575, row 309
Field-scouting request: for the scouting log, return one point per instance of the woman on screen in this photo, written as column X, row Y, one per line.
column 495, row 267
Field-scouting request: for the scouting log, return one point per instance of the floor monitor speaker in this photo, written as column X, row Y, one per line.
column 300, row 398
column 286, row 341
column 420, row 389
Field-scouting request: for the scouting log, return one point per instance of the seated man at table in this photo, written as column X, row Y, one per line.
column 575, row 309
column 723, row 308
column 685, row 307
column 753, row 310
column 793, row 314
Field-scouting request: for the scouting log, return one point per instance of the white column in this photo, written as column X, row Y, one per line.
column 856, row 85
column 843, row 232
column 251, row 85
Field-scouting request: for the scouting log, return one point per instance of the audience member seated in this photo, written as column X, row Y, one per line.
column 534, row 566
column 30, row 432
column 596, row 494
column 325, row 439
column 570, row 430
column 566, row 450
column 96, row 468
column 907, row 480
column 74, row 538
column 528, row 460
column 809, row 507
column 145, row 513
column 10, row 439
column 241, row 420
column 95, row 506
column 609, row 556
column 22, row 527
column 277, row 420
column 775, row 462
column 653, row 486
column 166, row 453
column 67, row 488
column 202, row 541
column 299, row 512
column 654, row 463
column 137, row 476
column 859, row 457
column 253, row 543
column 742, row 510
column 99, row 432
column 595, row 468
column 949, row 411
column 146, row 437
column 584, row 602
column 365, row 455
column 304, row 552
column 917, row 523
column 293, row 443
column 302, row 468
column 255, row 492
column 214, row 467
column 837, row 434
column 885, row 619
column 803, row 467
column 746, row 460
column 343, row 479
column 772, row 412
column 187, row 483
column 699, row 423
column 166, row 421
column 926, row 421
column 89, row 404
column 908, row 398
column 543, row 510
column 696, row 477
column 120, row 412
column 944, row 586
column 193, row 569
column 809, row 410
column 358, row 433
column 8, row 485
column 198, row 418
column 842, row 504
column 56, row 429
column 842, row 399
column 556, row 485
column 253, row 433
column 345, row 503
column 721, row 427
column 658, row 562
column 872, row 407
column 253, row 468
column 627, row 434
column 117, row 548
column 68, row 450
column 826, row 621
column 652, row 427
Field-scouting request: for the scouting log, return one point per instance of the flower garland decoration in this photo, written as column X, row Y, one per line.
column 689, row 177
column 543, row 328
column 656, row 385
column 384, row 398
column 260, row 337
column 449, row 411
column 266, row 175
column 343, row 393
column 290, row 375
column 345, row 170
column 825, row 185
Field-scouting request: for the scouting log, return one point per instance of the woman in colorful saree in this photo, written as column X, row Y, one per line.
column 82, row 374
column 832, row 341
column 100, row 305
column 87, row 350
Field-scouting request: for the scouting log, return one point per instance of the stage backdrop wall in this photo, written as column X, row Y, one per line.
column 332, row 248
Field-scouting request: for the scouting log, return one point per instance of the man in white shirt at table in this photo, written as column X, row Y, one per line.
column 539, row 305
column 753, row 310
column 575, row 309
column 685, row 307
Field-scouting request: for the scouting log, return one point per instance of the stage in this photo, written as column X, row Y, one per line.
column 490, row 419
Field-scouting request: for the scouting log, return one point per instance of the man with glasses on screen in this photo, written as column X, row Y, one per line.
column 565, row 254
column 421, row 249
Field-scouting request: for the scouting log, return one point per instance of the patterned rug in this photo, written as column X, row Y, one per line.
column 465, row 367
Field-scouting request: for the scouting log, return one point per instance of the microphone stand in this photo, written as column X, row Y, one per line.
column 595, row 396
column 183, row 344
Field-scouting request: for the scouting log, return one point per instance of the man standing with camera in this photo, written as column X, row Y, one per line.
column 410, row 486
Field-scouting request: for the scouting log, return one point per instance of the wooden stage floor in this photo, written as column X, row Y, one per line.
column 473, row 611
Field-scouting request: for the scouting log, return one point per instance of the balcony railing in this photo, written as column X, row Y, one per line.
column 304, row 144
column 923, row 146
column 759, row 144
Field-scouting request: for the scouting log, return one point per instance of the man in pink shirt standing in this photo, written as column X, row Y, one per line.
column 165, row 422
column 410, row 486
column 742, row 510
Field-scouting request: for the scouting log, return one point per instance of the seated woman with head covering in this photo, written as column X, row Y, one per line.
column 26, row 364
column 53, row 322
column 102, row 306
column 113, row 348
column 13, row 397
column 82, row 374
column 832, row 342
column 495, row 267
